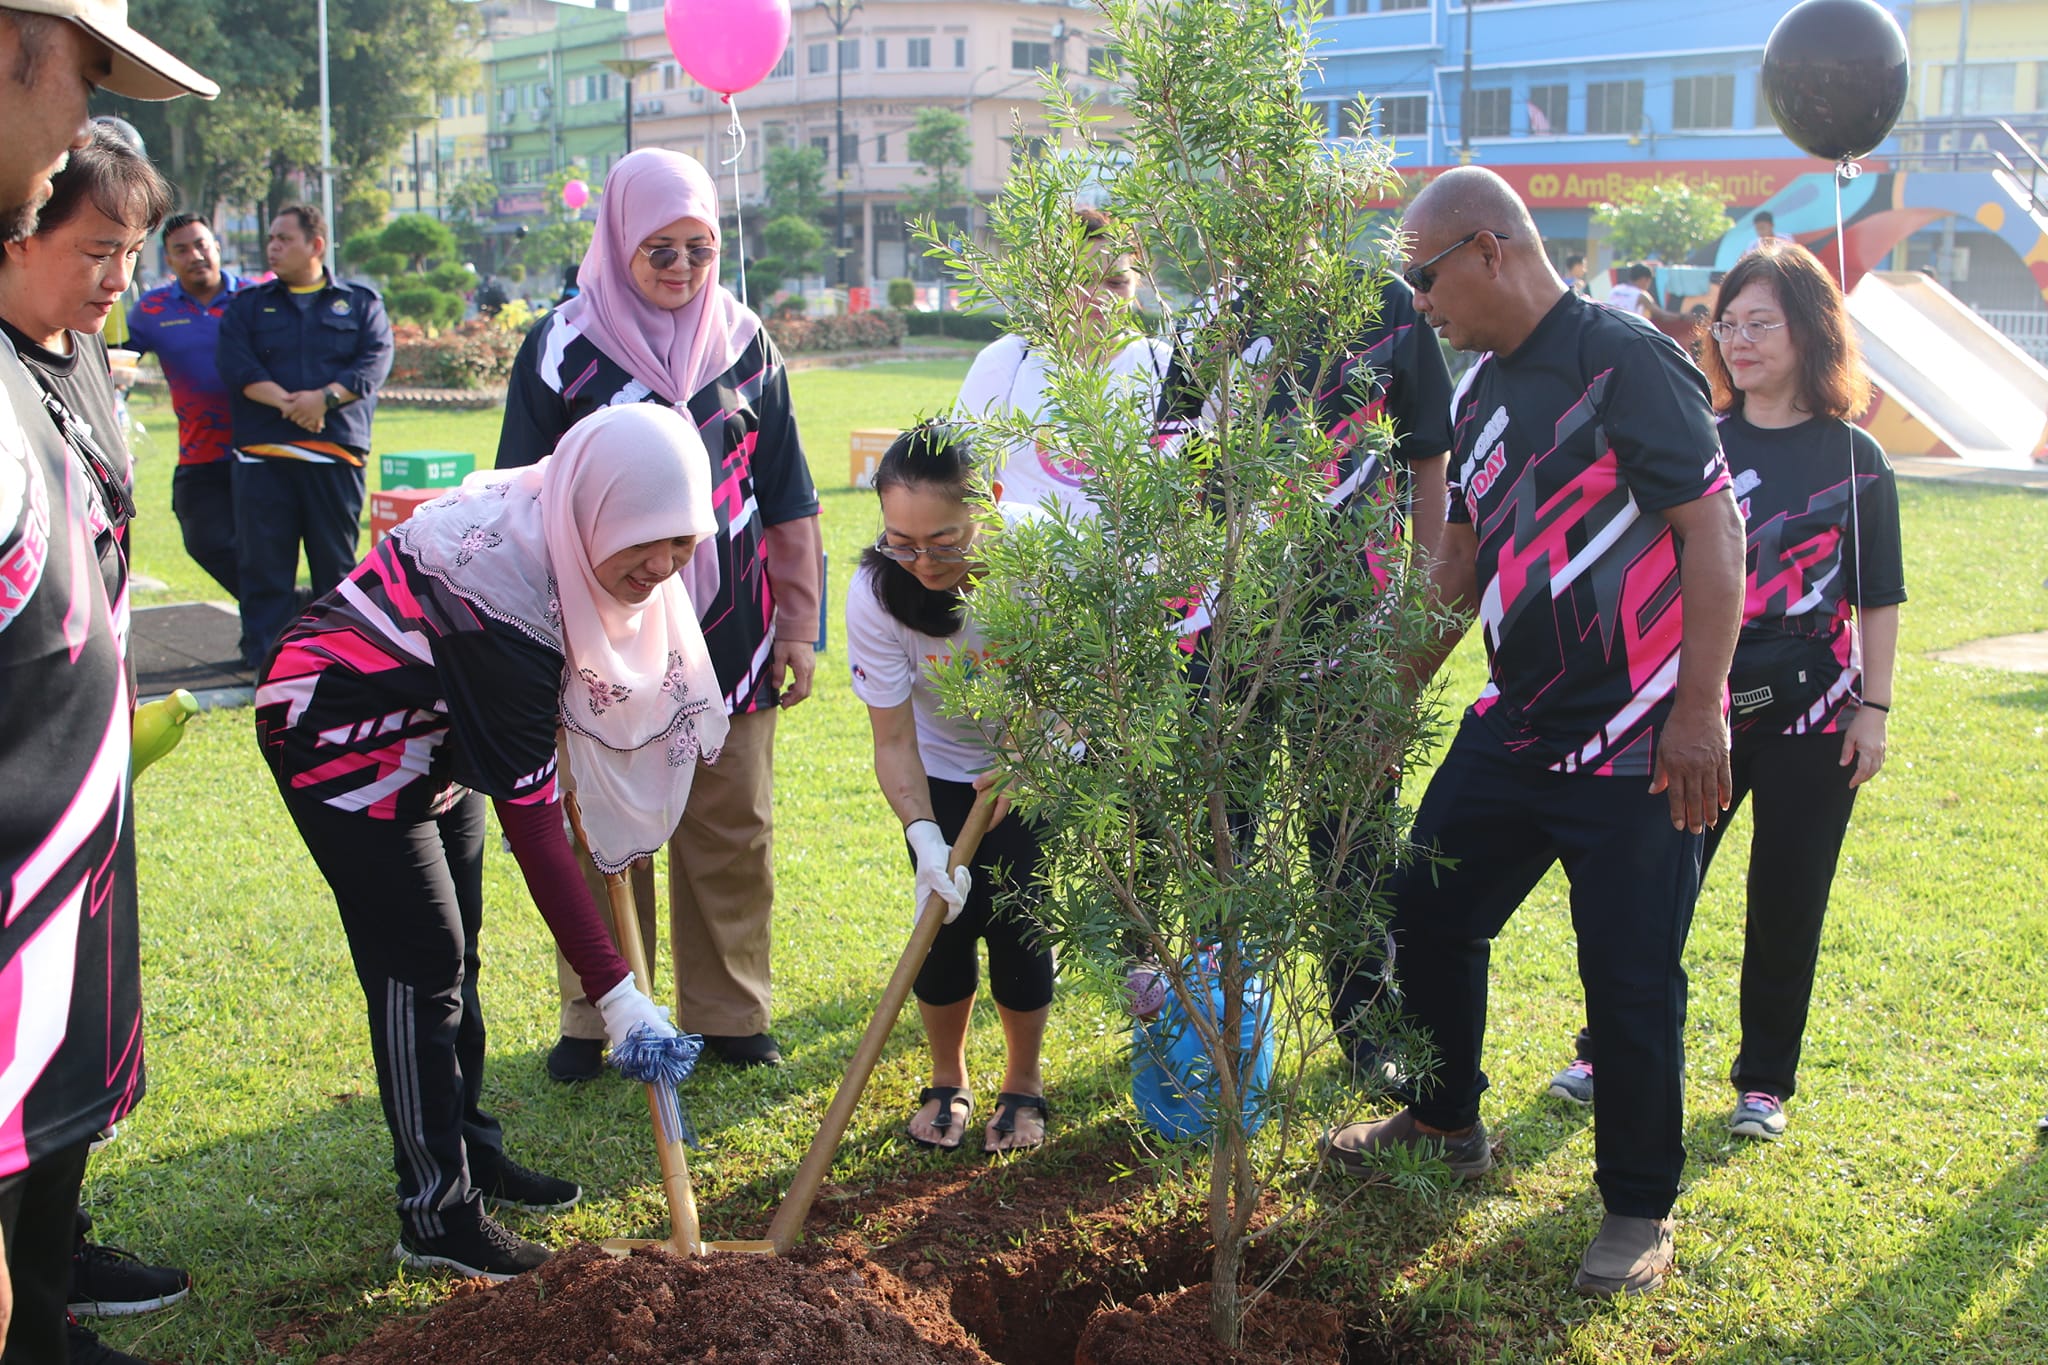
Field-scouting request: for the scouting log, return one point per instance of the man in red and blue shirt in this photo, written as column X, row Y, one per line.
column 180, row 323
column 1592, row 527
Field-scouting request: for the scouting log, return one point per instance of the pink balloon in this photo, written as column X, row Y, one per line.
column 575, row 194
column 727, row 45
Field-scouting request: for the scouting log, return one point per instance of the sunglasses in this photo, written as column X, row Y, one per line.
column 908, row 554
column 1422, row 278
column 120, row 502
column 665, row 257
column 1751, row 332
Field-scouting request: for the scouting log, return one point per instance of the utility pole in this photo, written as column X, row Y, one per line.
column 326, row 141
column 1955, row 103
column 629, row 69
column 840, row 14
column 1465, row 102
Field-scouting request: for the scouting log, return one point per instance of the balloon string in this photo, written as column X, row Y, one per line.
column 1848, row 170
column 736, row 134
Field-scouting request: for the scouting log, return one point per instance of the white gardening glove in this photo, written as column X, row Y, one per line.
column 624, row 1009
column 932, row 878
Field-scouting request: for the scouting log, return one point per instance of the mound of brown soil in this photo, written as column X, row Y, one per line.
column 818, row 1307
column 1175, row 1327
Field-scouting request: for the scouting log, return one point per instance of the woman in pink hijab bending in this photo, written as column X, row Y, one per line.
column 652, row 324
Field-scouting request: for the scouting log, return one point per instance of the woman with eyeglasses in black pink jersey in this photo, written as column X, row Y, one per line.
column 652, row 324
column 1811, row 685
column 909, row 610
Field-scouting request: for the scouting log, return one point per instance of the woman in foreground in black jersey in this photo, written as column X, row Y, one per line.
column 1811, row 684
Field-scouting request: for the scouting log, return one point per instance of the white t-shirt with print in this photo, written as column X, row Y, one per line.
column 1009, row 375
column 892, row 663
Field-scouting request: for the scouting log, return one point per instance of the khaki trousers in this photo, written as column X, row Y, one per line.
column 721, row 894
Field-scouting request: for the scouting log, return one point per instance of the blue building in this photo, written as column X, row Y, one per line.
column 1572, row 101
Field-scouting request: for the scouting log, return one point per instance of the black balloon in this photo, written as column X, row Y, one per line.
column 1835, row 72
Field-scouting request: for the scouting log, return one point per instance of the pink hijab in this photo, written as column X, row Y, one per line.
column 674, row 352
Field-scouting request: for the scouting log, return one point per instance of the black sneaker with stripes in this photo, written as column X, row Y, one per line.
column 512, row 1186
column 474, row 1244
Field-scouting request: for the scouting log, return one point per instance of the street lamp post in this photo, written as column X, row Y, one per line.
column 841, row 13
column 417, row 122
column 629, row 69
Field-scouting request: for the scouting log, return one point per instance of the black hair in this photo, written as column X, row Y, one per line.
column 111, row 176
column 178, row 222
column 311, row 222
column 1641, row 272
column 931, row 455
column 1576, row 258
column 1764, row 216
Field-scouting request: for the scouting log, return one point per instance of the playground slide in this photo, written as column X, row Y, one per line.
column 1947, row 383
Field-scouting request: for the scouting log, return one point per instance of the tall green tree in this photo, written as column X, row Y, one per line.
column 793, row 184
column 387, row 60
column 1177, row 804
column 1667, row 219
column 939, row 145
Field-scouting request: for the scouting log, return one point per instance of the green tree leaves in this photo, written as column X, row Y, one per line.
column 1665, row 219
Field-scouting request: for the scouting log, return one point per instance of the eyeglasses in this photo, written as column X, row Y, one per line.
column 1751, row 332
column 665, row 257
column 908, row 554
column 120, row 502
column 1422, row 278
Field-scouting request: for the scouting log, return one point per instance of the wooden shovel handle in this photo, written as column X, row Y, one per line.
column 684, row 1231
column 796, row 1205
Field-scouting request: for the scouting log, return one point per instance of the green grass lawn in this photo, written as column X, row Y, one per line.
column 1904, row 1218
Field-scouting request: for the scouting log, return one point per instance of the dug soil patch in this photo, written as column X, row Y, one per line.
column 959, row 1263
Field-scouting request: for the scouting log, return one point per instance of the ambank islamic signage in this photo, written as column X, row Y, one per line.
column 1742, row 184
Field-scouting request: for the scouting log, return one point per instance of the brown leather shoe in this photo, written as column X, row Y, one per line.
column 1356, row 1148
column 1630, row 1256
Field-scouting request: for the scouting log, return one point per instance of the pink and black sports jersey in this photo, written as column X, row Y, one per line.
column 1563, row 453
column 391, row 695
column 70, row 964
column 759, row 477
column 1810, row 561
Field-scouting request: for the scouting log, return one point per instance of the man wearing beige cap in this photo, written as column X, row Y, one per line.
column 70, row 996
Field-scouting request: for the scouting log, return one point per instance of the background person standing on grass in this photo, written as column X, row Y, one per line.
column 436, row 675
column 1820, row 630
column 1592, row 529
column 70, row 962
column 180, row 323
column 1007, row 375
column 908, row 610
column 303, row 356
column 652, row 324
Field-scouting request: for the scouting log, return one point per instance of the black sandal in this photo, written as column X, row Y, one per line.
column 949, row 1097
column 1005, row 1122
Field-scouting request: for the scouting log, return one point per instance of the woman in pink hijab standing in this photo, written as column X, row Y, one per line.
column 652, row 324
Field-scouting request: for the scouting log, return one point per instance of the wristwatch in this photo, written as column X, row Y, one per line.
column 334, row 399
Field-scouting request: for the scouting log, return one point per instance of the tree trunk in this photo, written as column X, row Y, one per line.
column 1227, row 1267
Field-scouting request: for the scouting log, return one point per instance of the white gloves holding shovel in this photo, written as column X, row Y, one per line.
column 933, row 853
column 626, row 1008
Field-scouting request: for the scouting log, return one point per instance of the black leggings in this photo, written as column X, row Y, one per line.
column 411, row 901
column 1800, row 803
column 1019, row 959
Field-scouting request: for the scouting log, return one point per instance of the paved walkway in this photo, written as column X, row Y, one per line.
column 1956, row 472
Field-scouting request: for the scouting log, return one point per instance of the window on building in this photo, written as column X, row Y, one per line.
column 1550, row 109
column 881, row 148
column 1358, row 6
column 1029, row 56
column 446, row 104
column 1489, row 113
column 849, row 149
column 1614, row 107
column 959, row 54
column 775, row 134
column 1028, row 148
column 671, row 76
column 823, row 143
column 849, row 54
column 881, row 54
column 1703, row 102
column 820, row 58
column 785, row 68
column 917, row 52
column 1404, row 116
column 1988, row 88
